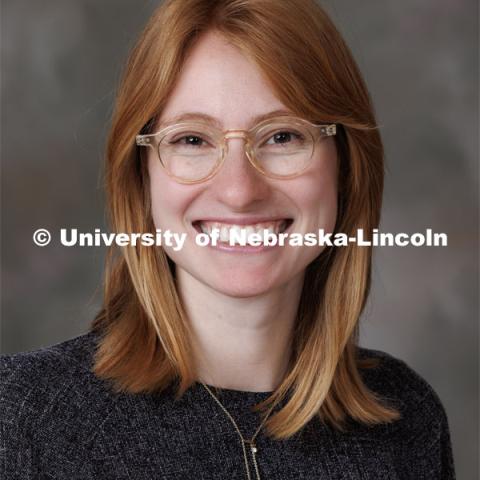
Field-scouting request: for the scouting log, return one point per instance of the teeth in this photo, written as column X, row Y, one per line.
column 242, row 231
column 224, row 234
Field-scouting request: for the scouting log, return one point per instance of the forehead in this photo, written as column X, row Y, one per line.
column 219, row 81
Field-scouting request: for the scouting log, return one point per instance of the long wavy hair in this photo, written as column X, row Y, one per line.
column 144, row 333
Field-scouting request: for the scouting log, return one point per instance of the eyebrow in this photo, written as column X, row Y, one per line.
column 191, row 116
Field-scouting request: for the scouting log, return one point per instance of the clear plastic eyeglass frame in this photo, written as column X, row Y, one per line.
column 220, row 137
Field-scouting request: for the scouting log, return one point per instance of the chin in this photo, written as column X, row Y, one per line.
column 240, row 291
column 243, row 285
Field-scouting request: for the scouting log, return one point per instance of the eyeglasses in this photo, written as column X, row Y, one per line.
column 280, row 147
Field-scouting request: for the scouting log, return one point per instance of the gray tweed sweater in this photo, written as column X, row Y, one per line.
column 58, row 421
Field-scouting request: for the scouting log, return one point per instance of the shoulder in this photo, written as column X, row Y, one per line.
column 395, row 379
column 419, row 441
column 49, row 368
column 73, row 352
column 53, row 388
column 422, row 414
column 421, row 437
column 397, row 382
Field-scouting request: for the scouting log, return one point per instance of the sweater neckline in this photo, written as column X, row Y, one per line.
column 228, row 392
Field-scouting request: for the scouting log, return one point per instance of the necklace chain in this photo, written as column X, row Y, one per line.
column 251, row 442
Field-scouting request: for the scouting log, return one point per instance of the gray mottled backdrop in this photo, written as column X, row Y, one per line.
column 60, row 63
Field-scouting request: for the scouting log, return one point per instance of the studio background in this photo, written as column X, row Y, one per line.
column 60, row 64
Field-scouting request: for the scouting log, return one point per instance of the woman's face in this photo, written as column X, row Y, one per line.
column 218, row 80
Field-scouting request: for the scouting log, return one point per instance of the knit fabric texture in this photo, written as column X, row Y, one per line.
column 59, row 421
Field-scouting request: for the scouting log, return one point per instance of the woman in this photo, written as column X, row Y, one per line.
column 235, row 116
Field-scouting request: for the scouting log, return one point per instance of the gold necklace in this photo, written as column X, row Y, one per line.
column 251, row 442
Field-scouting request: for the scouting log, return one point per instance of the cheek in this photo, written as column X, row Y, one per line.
column 316, row 194
column 169, row 198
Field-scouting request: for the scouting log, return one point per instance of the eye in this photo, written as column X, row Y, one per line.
column 281, row 137
column 284, row 137
column 189, row 140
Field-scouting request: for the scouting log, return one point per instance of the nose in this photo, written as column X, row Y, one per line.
column 238, row 184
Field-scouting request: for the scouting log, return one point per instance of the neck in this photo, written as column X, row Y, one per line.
column 240, row 343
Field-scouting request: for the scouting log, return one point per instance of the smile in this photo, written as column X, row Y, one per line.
column 232, row 230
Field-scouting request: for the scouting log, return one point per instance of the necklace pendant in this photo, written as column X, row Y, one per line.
column 252, row 445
